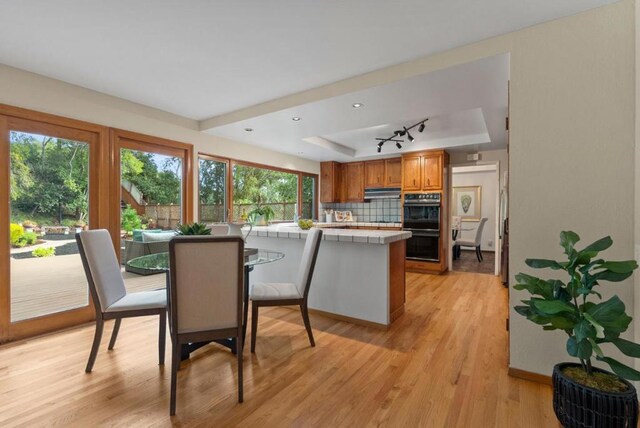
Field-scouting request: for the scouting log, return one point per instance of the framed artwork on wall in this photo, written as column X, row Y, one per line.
column 467, row 202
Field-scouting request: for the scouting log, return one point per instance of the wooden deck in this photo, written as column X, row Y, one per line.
column 47, row 285
column 443, row 363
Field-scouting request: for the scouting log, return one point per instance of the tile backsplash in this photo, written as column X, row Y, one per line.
column 378, row 210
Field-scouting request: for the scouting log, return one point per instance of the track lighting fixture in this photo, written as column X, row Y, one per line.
column 409, row 136
column 401, row 133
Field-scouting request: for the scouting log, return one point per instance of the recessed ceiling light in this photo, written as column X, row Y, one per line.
column 295, row 118
column 357, row 105
column 248, row 129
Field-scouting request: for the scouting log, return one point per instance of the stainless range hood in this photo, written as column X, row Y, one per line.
column 382, row 193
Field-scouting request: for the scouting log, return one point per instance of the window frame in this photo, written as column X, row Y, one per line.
column 232, row 162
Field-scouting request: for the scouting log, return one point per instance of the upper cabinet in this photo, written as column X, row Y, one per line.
column 411, row 172
column 329, row 182
column 393, row 172
column 432, row 171
column 423, row 171
column 374, row 174
column 355, row 181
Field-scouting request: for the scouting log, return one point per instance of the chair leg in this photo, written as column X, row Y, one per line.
column 244, row 319
column 96, row 344
column 240, row 345
column 114, row 333
column 480, row 251
column 175, row 365
column 478, row 254
column 162, row 337
column 307, row 323
column 254, row 325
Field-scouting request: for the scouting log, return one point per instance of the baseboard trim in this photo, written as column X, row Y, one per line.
column 396, row 314
column 533, row 377
column 349, row 319
column 343, row 318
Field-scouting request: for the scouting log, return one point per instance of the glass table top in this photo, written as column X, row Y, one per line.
column 160, row 261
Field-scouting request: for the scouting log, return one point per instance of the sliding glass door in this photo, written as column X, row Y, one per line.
column 52, row 178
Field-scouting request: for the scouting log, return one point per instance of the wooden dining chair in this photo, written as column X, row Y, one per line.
column 287, row 294
column 109, row 294
column 205, row 296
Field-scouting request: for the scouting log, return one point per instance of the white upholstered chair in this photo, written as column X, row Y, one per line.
column 287, row 294
column 109, row 294
column 476, row 242
column 205, row 296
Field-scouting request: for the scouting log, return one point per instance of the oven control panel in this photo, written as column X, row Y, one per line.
column 413, row 198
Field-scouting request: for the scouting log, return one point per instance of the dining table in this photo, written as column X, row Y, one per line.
column 159, row 262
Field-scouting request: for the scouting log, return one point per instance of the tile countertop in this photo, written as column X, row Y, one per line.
column 356, row 224
column 328, row 234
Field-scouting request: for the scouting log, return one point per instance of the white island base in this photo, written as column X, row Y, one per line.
column 359, row 275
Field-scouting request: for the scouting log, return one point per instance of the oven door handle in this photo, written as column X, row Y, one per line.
column 423, row 232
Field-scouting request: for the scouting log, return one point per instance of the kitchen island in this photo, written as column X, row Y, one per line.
column 359, row 275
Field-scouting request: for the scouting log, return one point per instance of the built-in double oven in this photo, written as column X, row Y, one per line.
column 422, row 218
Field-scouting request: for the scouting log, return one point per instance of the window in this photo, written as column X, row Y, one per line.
column 308, row 208
column 212, row 186
column 255, row 187
column 230, row 190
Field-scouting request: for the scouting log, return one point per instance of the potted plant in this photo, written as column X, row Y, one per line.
column 79, row 225
column 29, row 225
column 261, row 215
column 585, row 396
column 193, row 229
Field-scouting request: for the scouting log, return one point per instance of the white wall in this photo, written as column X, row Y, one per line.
column 488, row 180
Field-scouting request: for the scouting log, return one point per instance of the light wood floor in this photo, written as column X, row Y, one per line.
column 442, row 364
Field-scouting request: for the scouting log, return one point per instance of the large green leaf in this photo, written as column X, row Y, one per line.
column 543, row 264
column 607, row 275
column 567, row 240
column 584, row 330
column 619, row 267
column 551, row 307
column 535, row 286
column 600, row 245
column 628, row 348
column 581, row 349
column 620, row 369
column 610, row 315
column 598, row 328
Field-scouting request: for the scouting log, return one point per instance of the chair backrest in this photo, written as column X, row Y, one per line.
column 456, row 222
column 478, row 239
column 101, row 267
column 308, row 262
column 206, row 287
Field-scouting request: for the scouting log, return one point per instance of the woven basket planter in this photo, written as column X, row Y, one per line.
column 579, row 406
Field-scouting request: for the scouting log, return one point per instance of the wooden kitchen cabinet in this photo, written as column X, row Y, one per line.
column 374, row 175
column 355, row 181
column 411, row 172
column 393, row 172
column 432, row 171
column 329, row 182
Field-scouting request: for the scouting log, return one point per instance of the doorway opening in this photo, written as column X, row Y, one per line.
column 476, row 218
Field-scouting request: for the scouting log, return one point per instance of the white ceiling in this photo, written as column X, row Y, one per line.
column 203, row 58
column 466, row 106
